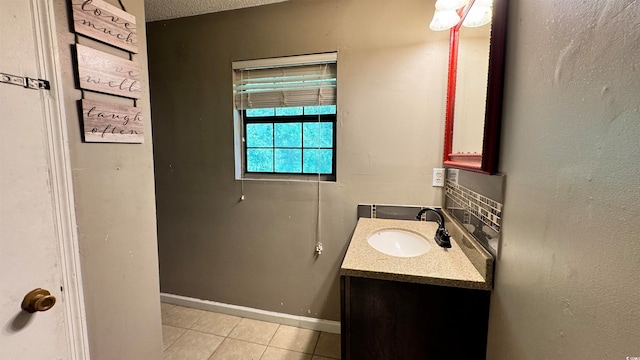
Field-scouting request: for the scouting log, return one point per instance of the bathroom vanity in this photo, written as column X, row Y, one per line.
column 431, row 306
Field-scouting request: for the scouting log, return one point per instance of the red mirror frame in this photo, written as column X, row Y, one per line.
column 487, row 162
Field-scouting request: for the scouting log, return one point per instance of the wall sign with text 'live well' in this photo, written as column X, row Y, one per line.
column 105, row 122
column 104, row 22
column 99, row 71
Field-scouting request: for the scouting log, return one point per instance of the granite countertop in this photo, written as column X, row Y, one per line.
column 439, row 266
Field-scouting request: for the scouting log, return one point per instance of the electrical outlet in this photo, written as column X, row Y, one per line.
column 438, row 177
column 453, row 175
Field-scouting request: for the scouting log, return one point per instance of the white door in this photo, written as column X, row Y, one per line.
column 32, row 225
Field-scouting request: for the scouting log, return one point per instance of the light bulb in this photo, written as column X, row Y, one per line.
column 478, row 16
column 444, row 20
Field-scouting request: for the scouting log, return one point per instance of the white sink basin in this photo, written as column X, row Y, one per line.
column 399, row 243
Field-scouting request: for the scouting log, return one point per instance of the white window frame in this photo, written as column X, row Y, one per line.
column 239, row 144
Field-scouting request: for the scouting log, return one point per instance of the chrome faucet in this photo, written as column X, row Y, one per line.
column 442, row 237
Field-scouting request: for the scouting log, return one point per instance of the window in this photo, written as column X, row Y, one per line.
column 290, row 140
column 287, row 113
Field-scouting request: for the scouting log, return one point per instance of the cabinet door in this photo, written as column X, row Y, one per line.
column 396, row 320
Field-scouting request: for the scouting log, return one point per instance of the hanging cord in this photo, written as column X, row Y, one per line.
column 319, row 246
column 242, row 139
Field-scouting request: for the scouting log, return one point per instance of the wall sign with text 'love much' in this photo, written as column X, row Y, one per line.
column 104, row 22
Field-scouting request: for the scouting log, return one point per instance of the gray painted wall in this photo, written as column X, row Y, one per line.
column 260, row 252
column 568, row 276
column 115, row 208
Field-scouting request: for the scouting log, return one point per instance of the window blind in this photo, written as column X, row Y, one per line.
column 285, row 86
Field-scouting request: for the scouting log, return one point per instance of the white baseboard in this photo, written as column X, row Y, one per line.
column 251, row 313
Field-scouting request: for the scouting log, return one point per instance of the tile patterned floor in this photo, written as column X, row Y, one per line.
column 191, row 334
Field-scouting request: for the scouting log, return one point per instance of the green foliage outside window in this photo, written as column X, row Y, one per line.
column 296, row 140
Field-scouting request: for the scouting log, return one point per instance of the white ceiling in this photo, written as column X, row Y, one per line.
column 171, row 9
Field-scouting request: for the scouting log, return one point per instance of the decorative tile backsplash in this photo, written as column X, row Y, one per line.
column 486, row 210
column 397, row 212
column 476, row 201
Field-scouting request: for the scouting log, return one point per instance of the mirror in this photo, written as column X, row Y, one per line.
column 474, row 93
column 471, row 90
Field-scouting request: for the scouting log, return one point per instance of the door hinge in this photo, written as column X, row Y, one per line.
column 27, row 82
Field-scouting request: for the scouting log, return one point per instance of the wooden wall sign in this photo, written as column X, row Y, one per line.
column 104, row 22
column 109, row 74
column 105, row 122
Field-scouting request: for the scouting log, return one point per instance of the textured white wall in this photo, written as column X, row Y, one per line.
column 568, row 277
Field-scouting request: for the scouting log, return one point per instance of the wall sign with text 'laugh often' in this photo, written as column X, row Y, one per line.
column 99, row 71
column 105, row 22
column 104, row 122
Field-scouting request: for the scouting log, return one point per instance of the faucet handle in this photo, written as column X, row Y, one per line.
column 442, row 237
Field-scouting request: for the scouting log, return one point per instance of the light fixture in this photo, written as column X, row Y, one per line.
column 480, row 14
column 444, row 20
column 447, row 14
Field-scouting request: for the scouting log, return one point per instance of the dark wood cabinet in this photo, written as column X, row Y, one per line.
column 394, row 320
